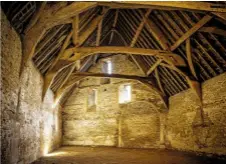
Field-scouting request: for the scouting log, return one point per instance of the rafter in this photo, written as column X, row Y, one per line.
column 190, row 32
column 52, row 15
column 82, row 52
column 213, row 30
column 153, row 67
column 99, row 30
column 66, row 86
column 36, row 16
column 140, row 27
column 220, row 15
column 97, row 23
column 60, row 64
column 114, row 25
column 194, row 85
column 75, row 39
column 75, row 25
column 135, row 37
column 157, row 34
column 92, row 26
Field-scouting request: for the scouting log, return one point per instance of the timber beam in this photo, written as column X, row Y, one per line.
column 192, row 6
column 51, row 16
column 75, row 77
column 60, row 63
column 190, row 32
column 153, row 67
column 194, row 85
column 73, row 54
column 213, row 30
column 103, row 75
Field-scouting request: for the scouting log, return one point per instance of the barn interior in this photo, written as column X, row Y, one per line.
column 113, row 82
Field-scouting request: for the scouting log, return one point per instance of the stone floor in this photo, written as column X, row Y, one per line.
column 110, row 155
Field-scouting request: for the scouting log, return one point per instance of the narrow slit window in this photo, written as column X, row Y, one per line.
column 107, row 67
column 92, row 98
column 124, row 93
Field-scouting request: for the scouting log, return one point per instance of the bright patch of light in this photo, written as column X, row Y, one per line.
column 55, row 154
column 46, row 150
column 109, row 67
column 56, row 102
column 125, row 93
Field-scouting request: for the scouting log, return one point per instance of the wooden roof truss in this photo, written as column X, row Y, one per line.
column 176, row 45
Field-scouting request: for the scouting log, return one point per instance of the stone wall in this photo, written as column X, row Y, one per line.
column 191, row 127
column 30, row 127
column 135, row 124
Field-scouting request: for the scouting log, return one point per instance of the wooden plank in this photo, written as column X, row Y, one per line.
column 65, row 45
column 81, row 39
column 158, row 80
column 68, row 11
column 190, row 32
column 66, row 86
column 103, row 75
column 51, row 73
column 75, row 26
column 213, row 30
column 189, row 57
column 114, row 25
column 175, row 5
column 220, row 15
column 99, row 30
column 92, row 26
column 52, row 15
column 140, row 27
column 99, row 33
column 120, row 76
column 153, row 67
column 194, row 85
column 134, row 40
column 162, row 54
column 162, row 96
column 157, row 34
column 35, row 17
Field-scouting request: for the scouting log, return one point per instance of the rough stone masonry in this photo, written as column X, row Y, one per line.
column 30, row 127
column 141, row 123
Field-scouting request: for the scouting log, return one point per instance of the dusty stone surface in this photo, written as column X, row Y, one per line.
column 135, row 124
column 100, row 155
column 29, row 126
column 191, row 127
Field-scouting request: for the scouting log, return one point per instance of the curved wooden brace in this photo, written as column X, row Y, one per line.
column 73, row 54
column 50, row 17
column 60, row 64
column 143, row 80
column 195, row 85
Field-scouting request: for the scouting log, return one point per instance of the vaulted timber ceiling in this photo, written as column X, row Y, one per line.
column 176, row 45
